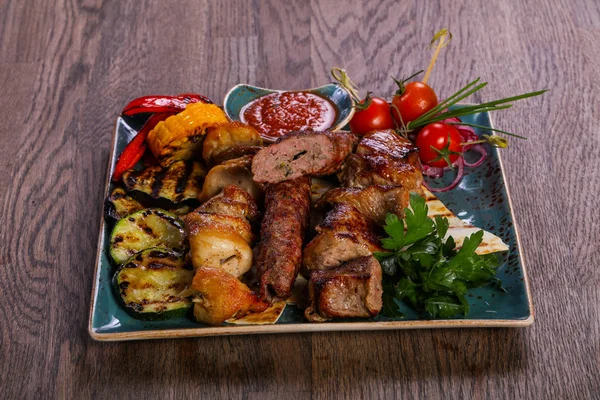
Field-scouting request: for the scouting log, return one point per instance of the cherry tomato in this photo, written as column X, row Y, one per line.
column 413, row 100
column 376, row 116
column 439, row 144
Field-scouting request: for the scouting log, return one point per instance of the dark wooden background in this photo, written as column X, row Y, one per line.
column 68, row 67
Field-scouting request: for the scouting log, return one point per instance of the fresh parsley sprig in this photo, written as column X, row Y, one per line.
column 423, row 269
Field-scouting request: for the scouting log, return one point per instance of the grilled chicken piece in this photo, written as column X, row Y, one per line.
column 353, row 290
column 222, row 296
column 232, row 201
column 179, row 182
column 179, row 137
column 302, row 153
column 374, row 202
column 287, row 208
column 232, row 140
column 383, row 158
column 344, row 235
column 222, row 240
column 232, row 172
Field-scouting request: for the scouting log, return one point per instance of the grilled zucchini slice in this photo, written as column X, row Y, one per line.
column 150, row 284
column 179, row 182
column 150, row 227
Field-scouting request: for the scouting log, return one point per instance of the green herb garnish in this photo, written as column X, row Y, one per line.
column 423, row 268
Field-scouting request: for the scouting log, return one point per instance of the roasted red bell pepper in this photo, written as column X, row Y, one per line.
column 160, row 104
column 135, row 149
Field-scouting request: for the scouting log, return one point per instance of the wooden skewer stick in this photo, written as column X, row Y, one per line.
column 441, row 35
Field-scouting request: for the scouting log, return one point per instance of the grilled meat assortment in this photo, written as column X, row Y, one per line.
column 287, row 207
column 383, row 158
column 352, row 290
column 373, row 202
column 302, row 153
column 344, row 235
column 345, row 278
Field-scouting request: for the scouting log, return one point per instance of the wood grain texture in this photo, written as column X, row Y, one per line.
column 67, row 68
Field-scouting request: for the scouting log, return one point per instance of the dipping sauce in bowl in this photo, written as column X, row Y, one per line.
column 277, row 114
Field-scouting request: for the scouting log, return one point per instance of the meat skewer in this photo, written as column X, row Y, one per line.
column 220, row 237
column 345, row 278
column 287, row 208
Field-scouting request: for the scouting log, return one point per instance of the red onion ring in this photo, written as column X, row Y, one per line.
column 459, row 174
column 433, row 172
column 478, row 148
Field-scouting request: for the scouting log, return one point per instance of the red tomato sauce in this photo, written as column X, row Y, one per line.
column 277, row 114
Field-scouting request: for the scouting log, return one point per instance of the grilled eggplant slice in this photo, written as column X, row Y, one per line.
column 119, row 204
column 150, row 227
column 181, row 181
column 150, row 284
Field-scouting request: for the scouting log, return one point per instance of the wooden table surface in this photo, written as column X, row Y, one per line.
column 68, row 67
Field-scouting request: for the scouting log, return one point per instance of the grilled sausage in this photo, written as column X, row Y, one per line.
column 302, row 153
column 287, row 207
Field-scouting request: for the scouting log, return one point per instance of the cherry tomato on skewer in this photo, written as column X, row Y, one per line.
column 411, row 101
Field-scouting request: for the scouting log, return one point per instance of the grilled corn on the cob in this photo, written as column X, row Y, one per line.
column 180, row 137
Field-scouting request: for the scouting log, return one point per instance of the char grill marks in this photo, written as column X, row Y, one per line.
column 302, row 153
column 383, row 158
column 181, row 181
column 352, row 290
column 287, row 208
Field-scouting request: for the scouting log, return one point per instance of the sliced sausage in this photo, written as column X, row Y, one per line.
column 302, row 153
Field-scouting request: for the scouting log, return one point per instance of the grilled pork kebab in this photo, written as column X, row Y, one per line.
column 345, row 278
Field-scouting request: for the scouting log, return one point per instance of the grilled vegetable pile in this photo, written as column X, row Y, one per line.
column 186, row 153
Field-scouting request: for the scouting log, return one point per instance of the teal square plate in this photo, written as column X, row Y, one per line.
column 481, row 198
